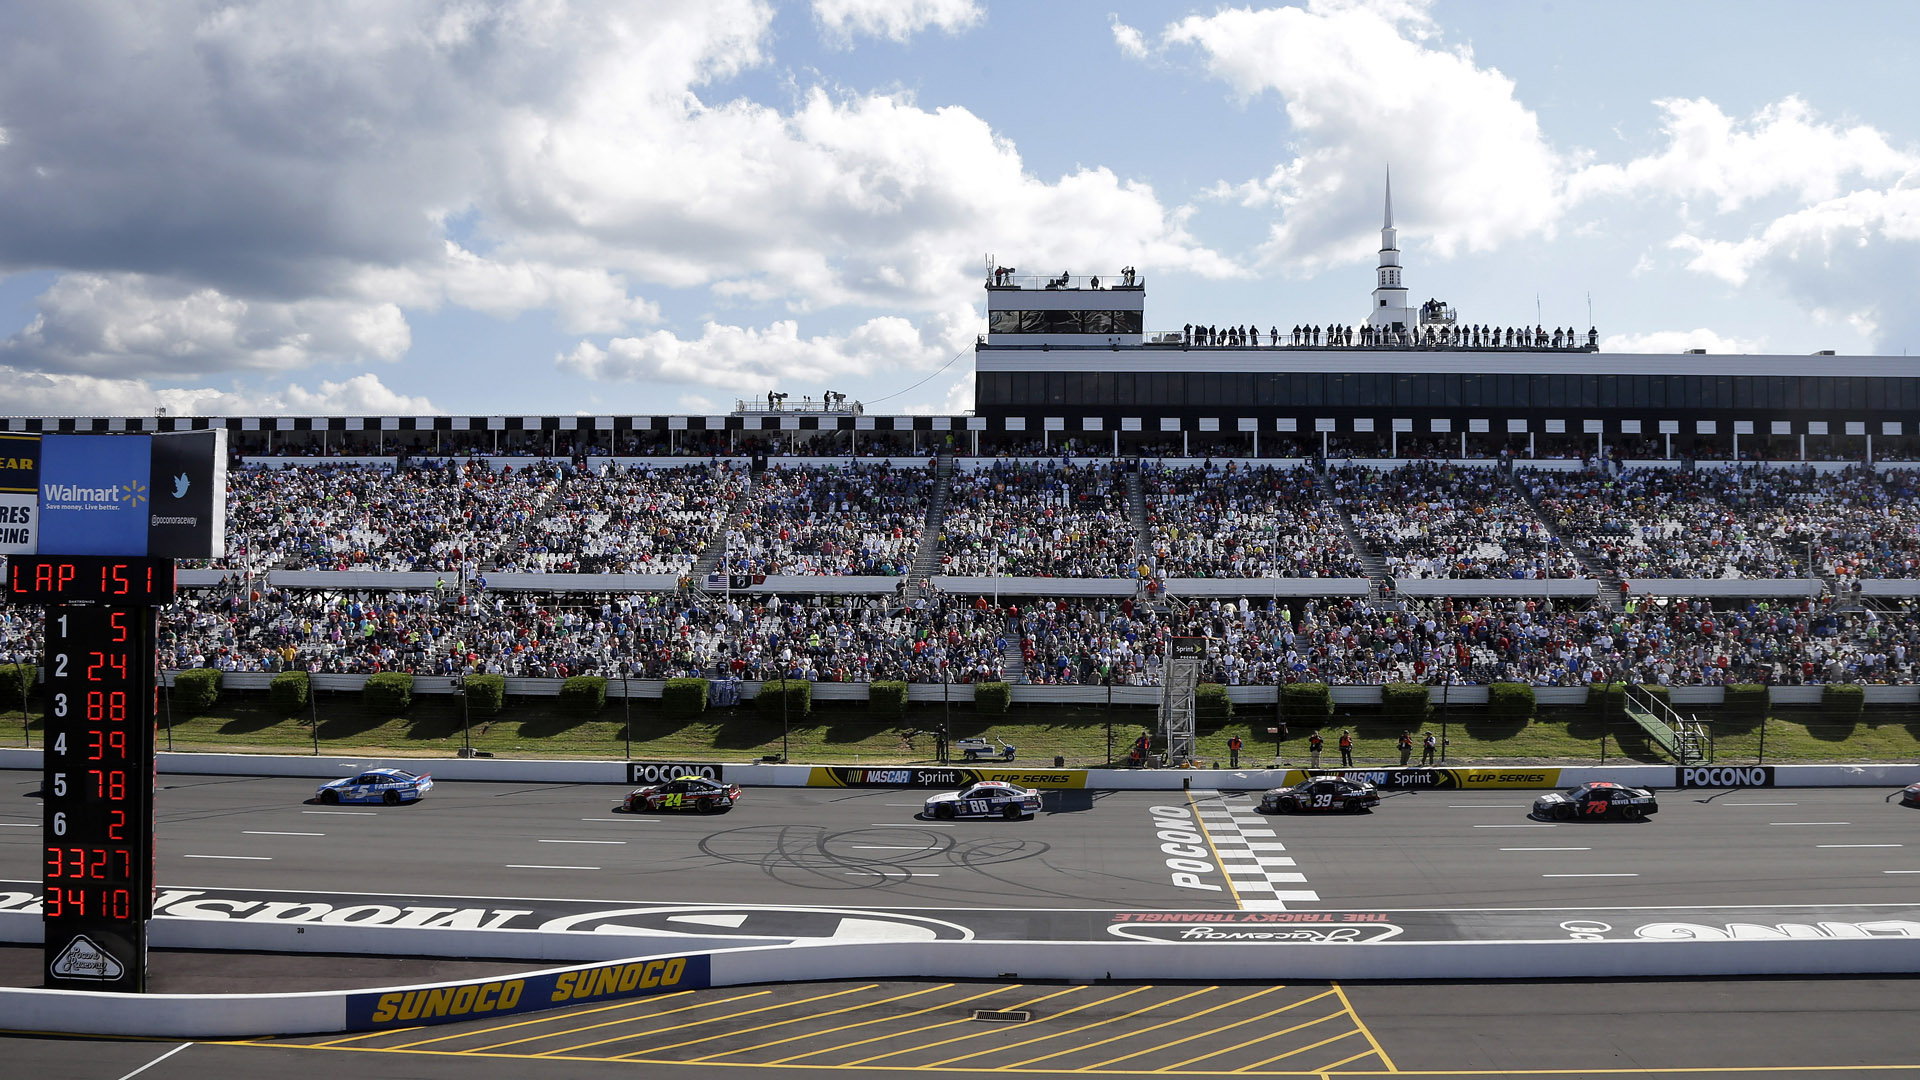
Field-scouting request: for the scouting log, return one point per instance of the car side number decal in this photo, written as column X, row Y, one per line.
column 1597, row 806
column 672, row 799
column 976, row 806
column 1323, row 800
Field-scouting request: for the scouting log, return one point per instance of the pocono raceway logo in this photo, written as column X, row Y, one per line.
column 1821, row 930
column 1255, row 927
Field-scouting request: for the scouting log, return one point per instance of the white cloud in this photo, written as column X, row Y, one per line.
column 1365, row 85
column 36, row 393
column 1130, row 41
column 1781, row 148
column 751, row 360
column 896, row 20
column 1678, row 341
column 133, row 324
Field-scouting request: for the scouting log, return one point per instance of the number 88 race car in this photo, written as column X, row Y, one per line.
column 695, row 793
column 1601, row 800
column 987, row 798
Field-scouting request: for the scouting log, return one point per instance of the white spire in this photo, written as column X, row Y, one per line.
column 1388, row 223
column 1389, row 293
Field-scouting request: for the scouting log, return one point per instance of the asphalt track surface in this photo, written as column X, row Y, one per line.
column 867, row 848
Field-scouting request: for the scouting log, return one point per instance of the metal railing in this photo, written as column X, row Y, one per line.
column 1125, row 279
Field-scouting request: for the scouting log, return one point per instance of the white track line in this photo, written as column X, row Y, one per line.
column 1589, row 875
column 264, row 832
column 1487, row 806
column 542, row 866
column 1546, row 849
column 156, row 1061
column 1856, row 845
column 1529, row 825
column 242, row 858
column 345, row 813
column 13, row 825
column 1900, row 871
column 915, row 847
column 583, row 841
column 1757, row 804
column 910, row 825
column 630, row 817
column 1809, row 822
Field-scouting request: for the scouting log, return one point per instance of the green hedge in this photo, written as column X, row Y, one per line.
column 992, row 698
column 388, row 693
column 797, row 693
column 1747, row 701
column 1405, row 701
column 1306, row 703
column 288, row 692
column 684, row 697
column 15, row 681
column 584, row 695
column 888, row 698
column 1843, row 700
column 195, row 690
column 486, row 694
column 1210, row 702
column 1510, row 701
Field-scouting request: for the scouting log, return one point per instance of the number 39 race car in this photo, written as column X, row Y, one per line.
column 1321, row 794
column 389, row 786
column 695, row 793
column 987, row 798
column 1601, row 800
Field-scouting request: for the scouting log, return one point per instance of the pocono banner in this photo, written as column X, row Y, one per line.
column 841, row 776
column 19, row 493
column 526, row 993
column 1440, row 779
column 661, row 772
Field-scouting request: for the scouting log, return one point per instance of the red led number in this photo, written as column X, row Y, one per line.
column 102, row 662
column 106, row 705
column 118, row 621
column 109, row 784
column 100, row 743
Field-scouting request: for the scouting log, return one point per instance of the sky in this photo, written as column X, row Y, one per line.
column 408, row 207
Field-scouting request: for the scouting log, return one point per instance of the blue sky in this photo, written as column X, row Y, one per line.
column 414, row 206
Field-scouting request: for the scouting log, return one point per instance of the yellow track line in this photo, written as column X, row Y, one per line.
column 1310, row 1046
column 923, row 1046
column 1208, row 1030
column 1364, row 1030
column 1176, row 1020
column 932, row 1027
column 1258, row 1038
column 1200, row 826
column 1084, row 1027
column 697, row 1023
column 604, row 1023
column 503, row 1027
column 899, row 1034
column 777, row 1023
column 842, row 1027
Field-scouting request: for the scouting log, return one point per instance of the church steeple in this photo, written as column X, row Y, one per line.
column 1389, row 295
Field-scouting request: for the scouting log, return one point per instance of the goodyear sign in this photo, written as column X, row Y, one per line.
column 528, row 993
column 19, row 493
column 905, row 776
column 1441, row 779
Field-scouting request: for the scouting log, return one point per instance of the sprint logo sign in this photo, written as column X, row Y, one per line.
column 94, row 494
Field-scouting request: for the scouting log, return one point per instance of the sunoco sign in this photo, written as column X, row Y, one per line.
column 1727, row 776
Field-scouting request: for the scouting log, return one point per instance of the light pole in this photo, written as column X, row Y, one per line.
column 466, row 717
column 313, row 710
column 626, row 708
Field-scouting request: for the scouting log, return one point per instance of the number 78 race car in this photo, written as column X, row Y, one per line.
column 1601, row 800
column 987, row 798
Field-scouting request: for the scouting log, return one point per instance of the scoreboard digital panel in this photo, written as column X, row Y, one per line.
column 97, row 783
column 89, row 579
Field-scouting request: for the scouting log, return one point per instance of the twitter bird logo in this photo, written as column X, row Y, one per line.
column 180, row 484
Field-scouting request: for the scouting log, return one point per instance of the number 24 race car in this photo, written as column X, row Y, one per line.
column 1601, row 800
column 695, row 793
column 987, row 798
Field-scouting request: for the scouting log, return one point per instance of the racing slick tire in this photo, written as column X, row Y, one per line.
column 944, row 812
column 391, row 798
column 1011, row 813
column 330, row 797
column 1563, row 812
column 1631, row 813
column 703, row 806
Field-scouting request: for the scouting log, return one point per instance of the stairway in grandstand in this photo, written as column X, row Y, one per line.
column 1374, row 565
column 1137, row 511
column 710, row 555
column 1608, row 595
column 926, row 559
column 1013, row 662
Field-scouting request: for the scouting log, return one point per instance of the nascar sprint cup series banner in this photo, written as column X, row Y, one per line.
column 941, row 777
column 160, row 495
column 1440, row 779
column 19, row 498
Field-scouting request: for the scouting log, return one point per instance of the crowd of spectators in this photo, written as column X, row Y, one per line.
column 1242, row 521
column 612, row 519
column 831, row 520
column 1435, row 520
column 1044, row 519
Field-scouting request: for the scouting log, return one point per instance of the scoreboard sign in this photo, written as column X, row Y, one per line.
column 97, row 779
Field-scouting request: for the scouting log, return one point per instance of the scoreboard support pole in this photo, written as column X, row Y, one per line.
column 97, row 772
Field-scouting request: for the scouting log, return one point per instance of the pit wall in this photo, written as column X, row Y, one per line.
column 228, row 1016
column 516, row 770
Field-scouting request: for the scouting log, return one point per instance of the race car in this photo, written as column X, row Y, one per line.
column 1325, row 794
column 987, row 798
column 1911, row 796
column 1601, row 800
column 696, row 793
column 389, row 786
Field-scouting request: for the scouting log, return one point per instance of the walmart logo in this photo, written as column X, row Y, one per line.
column 133, row 494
